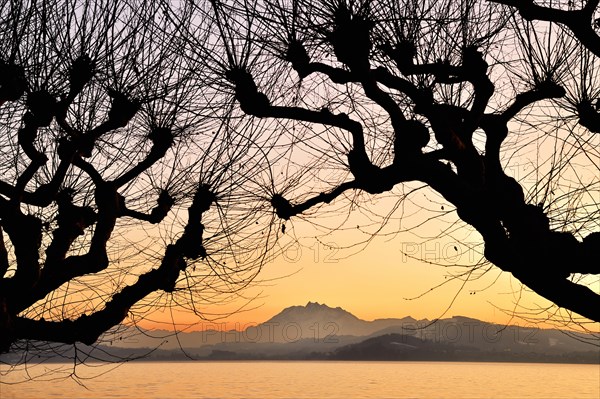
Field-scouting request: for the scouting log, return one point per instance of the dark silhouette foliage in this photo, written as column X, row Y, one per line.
column 441, row 93
column 123, row 189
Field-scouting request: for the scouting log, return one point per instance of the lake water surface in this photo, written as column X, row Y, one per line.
column 306, row 379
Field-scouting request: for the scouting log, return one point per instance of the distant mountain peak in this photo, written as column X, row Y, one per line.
column 321, row 306
column 311, row 312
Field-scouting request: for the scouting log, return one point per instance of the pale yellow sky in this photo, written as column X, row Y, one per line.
column 381, row 280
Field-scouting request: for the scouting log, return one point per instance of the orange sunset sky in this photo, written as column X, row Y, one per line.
column 396, row 274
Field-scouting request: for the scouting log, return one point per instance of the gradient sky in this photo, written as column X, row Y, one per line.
column 380, row 280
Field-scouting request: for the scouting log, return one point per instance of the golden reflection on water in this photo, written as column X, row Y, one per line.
column 305, row 379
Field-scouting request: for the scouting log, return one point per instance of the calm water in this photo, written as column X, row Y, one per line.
column 317, row 380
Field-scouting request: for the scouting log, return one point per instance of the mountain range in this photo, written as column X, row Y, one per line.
column 317, row 331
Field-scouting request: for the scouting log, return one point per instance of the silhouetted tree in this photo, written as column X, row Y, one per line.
column 142, row 144
column 377, row 95
column 120, row 192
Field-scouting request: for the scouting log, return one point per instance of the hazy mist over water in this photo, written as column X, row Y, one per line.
column 307, row 379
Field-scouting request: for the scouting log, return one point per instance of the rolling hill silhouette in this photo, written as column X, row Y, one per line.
column 322, row 332
column 317, row 331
